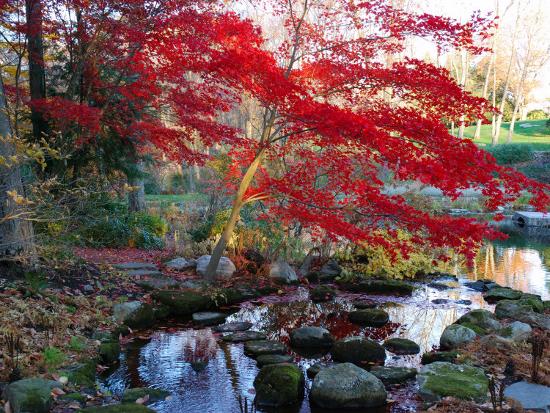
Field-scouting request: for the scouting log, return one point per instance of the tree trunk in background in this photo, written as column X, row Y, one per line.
column 136, row 197
column 477, row 133
column 16, row 234
column 517, row 104
column 37, row 76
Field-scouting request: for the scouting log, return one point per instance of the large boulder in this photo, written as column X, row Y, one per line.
column 441, row 379
column 516, row 331
column 455, row 336
column 401, row 346
column 481, row 321
column 531, row 397
column 279, row 385
column 311, row 337
column 134, row 314
column 502, row 293
column 330, row 271
column 282, row 272
column 521, row 310
column 109, row 352
column 225, row 269
column 32, row 395
column 346, row 386
column 393, row 375
column 370, row 317
column 180, row 264
column 358, row 350
column 184, row 303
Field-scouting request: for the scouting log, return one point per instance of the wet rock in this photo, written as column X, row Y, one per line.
column 369, row 317
column 440, row 379
column 393, row 375
column 267, row 359
column 322, row 293
column 119, row 408
column 183, row 303
column 241, row 336
column 261, row 347
column 439, row 286
column 109, row 352
column 30, row 395
column 154, row 395
column 279, row 385
column 502, row 293
column 233, row 327
column 282, row 272
column 313, row 370
column 516, row 331
column 481, row 285
column 464, row 302
column 134, row 314
column 363, row 303
column 346, row 386
column 330, row 271
column 384, row 287
column 311, row 337
column 358, row 350
column 401, row 346
column 534, row 301
column 456, row 335
column 225, row 269
column 208, row 318
column 157, row 282
column 180, row 264
column 532, row 397
column 440, row 301
column 433, row 356
column 481, row 321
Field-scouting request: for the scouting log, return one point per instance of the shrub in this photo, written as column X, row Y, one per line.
column 537, row 114
column 53, row 357
column 508, row 154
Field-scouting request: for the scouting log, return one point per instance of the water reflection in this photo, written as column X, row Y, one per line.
column 521, row 262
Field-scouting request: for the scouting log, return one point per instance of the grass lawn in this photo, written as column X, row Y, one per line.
column 193, row 197
column 537, row 134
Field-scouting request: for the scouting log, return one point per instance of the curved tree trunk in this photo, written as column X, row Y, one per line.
column 16, row 234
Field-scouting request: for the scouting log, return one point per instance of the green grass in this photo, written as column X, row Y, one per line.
column 192, row 197
column 538, row 135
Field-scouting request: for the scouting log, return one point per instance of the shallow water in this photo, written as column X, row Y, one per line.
column 205, row 375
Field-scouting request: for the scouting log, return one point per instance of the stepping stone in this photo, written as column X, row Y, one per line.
column 440, row 301
column 261, row 347
column 180, row 264
column 393, row 375
column 143, row 273
column 157, row 282
column 464, row 302
column 127, row 266
column 531, row 396
column 369, row 317
column 311, row 337
column 267, row 359
column 208, row 318
column 244, row 336
column 233, row 327
column 364, row 303
column 401, row 346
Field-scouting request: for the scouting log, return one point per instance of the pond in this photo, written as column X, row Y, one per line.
column 206, row 375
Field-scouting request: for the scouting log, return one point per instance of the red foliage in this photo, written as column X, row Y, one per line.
column 344, row 104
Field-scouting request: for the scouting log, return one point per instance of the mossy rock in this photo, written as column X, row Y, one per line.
column 184, row 303
column 502, row 293
column 109, row 352
column 512, row 308
column 433, row 356
column 122, row 330
column 279, row 385
column 30, row 395
column 144, row 317
column 76, row 397
column 441, row 379
column 393, row 375
column 455, row 336
column 371, row 317
column 161, row 312
column 155, row 395
column 546, row 305
column 533, row 301
column 383, row 287
column 81, row 374
column 401, row 346
column 358, row 350
column 322, row 293
column 119, row 408
column 481, row 321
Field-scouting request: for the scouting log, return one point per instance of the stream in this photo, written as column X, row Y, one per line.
column 206, row 375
